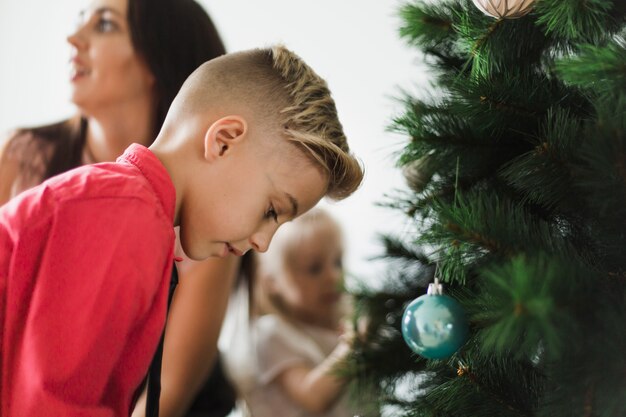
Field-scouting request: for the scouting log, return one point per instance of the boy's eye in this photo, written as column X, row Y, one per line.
column 271, row 214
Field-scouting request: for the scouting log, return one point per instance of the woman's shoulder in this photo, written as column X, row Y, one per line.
column 25, row 155
column 24, row 143
column 27, row 149
column 14, row 142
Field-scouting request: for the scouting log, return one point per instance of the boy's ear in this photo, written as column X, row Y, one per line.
column 222, row 135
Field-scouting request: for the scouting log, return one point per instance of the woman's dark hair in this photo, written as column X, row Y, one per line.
column 173, row 37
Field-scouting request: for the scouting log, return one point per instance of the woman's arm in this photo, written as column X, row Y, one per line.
column 316, row 389
column 193, row 327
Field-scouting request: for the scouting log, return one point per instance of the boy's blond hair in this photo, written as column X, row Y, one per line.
column 284, row 95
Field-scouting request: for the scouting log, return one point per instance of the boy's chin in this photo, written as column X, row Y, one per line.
column 194, row 252
column 197, row 253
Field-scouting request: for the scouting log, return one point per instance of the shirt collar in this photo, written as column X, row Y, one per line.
column 156, row 174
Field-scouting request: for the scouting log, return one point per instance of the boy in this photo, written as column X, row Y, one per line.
column 251, row 141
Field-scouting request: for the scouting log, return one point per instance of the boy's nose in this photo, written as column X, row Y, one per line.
column 261, row 241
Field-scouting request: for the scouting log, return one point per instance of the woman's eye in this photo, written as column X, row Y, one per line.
column 105, row 25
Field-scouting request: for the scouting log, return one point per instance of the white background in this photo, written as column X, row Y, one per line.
column 353, row 44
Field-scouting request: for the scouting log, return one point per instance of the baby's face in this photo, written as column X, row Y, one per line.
column 244, row 200
column 313, row 281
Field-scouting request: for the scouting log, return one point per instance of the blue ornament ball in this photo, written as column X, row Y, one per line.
column 434, row 326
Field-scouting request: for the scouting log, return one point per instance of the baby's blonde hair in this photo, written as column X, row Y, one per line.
column 287, row 239
column 284, row 95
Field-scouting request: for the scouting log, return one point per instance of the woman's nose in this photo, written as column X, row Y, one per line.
column 77, row 39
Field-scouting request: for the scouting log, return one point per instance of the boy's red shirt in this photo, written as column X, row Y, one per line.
column 85, row 263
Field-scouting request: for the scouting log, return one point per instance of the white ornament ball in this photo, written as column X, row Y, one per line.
column 504, row 9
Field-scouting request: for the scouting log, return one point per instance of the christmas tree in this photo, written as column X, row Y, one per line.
column 516, row 164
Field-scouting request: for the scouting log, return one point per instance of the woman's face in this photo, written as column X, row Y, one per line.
column 105, row 68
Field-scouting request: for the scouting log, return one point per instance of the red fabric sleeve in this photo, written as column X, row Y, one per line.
column 6, row 251
column 98, row 285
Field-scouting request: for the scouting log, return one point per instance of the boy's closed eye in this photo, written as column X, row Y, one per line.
column 271, row 213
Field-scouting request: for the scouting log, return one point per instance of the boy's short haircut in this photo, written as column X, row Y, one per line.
column 286, row 96
column 311, row 121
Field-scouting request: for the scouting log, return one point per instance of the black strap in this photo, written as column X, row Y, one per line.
column 154, row 373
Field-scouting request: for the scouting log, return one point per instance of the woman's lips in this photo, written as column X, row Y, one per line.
column 78, row 73
column 78, row 69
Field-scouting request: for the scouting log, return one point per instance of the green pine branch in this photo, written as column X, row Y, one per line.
column 516, row 166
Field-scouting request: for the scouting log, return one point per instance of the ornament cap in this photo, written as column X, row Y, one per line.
column 435, row 288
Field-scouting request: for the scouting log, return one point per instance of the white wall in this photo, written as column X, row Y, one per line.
column 353, row 44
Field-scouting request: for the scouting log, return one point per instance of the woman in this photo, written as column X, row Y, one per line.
column 129, row 59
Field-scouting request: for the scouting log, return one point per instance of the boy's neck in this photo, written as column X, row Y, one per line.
column 168, row 156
